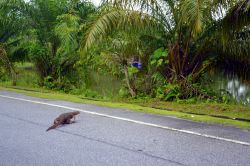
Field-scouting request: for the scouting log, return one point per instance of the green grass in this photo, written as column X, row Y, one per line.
column 145, row 107
column 213, row 109
column 26, row 76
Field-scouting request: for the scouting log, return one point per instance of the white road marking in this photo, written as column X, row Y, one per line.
column 132, row 121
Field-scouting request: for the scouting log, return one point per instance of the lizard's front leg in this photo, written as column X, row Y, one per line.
column 68, row 121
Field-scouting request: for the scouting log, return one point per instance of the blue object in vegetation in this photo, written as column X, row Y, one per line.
column 136, row 64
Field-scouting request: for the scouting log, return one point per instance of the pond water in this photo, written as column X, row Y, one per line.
column 231, row 83
column 105, row 85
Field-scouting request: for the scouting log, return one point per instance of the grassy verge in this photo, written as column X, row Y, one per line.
column 169, row 108
column 229, row 111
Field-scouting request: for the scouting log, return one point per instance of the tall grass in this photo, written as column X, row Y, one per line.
column 26, row 76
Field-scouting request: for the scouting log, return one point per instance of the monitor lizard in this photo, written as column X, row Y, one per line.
column 64, row 118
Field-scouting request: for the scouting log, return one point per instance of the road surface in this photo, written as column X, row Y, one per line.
column 103, row 136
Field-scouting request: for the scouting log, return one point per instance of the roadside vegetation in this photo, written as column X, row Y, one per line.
column 150, row 56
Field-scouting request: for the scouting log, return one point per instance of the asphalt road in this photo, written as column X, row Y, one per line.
column 120, row 138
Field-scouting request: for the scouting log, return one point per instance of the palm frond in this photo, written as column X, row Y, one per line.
column 67, row 29
column 145, row 5
column 114, row 18
column 194, row 14
column 238, row 16
column 5, row 59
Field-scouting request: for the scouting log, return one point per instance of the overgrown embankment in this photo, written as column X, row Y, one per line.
column 186, row 111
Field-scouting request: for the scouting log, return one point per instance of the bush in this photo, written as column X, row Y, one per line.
column 123, row 92
column 48, row 82
column 168, row 92
column 3, row 77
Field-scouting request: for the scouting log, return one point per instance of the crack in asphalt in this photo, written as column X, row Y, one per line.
column 98, row 140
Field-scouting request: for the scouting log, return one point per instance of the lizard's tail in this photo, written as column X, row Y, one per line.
column 52, row 127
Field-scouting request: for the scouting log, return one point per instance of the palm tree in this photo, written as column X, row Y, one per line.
column 55, row 26
column 120, row 49
column 12, row 22
column 192, row 28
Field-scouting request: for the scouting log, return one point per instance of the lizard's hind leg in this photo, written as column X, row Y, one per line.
column 56, row 120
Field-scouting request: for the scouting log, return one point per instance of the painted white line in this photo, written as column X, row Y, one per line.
column 132, row 121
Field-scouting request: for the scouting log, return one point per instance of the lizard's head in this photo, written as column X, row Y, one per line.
column 76, row 112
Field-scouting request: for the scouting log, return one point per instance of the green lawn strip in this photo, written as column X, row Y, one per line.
column 212, row 109
column 135, row 107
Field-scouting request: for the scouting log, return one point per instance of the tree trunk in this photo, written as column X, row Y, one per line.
column 8, row 65
column 14, row 77
column 131, row 90
column 12, row 72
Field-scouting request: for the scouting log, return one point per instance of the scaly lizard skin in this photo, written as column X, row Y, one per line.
column 63, row 119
